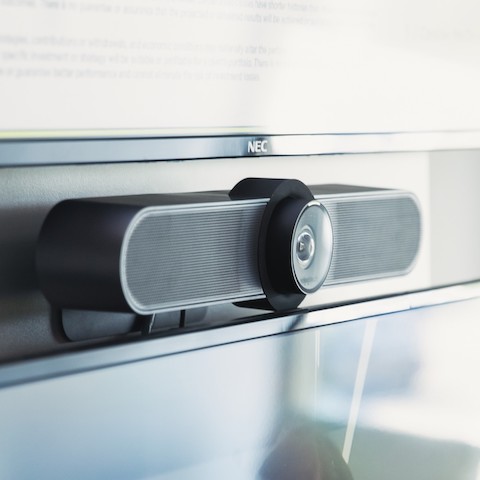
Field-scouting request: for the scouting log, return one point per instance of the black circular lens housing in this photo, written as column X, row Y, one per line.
column 299, row 246
column 295, row 241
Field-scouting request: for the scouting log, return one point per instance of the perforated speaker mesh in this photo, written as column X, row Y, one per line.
column 373, row 237
column 209, row 252
column 209, row 255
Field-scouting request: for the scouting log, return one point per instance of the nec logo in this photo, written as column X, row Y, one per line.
column 258, row 146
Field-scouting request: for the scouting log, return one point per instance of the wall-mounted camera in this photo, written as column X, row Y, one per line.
column 267, row 243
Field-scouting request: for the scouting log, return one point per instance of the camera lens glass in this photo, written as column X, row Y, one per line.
column 312, row 247
column 305, row 247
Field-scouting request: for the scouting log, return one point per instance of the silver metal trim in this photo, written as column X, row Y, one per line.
column 104, row 357
column 127, row 149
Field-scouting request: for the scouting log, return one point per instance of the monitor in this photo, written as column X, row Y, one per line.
column 302, row 71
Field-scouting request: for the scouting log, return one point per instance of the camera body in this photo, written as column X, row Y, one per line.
column 265, row 244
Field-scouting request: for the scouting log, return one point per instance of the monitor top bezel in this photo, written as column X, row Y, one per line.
column 114, row 149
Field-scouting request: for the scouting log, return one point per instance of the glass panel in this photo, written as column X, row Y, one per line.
column 395, row 396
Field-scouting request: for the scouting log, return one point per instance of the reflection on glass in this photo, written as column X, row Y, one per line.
column 398, row 394
column 395, row 396
column 305, row 452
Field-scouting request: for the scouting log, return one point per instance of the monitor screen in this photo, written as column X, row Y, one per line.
column 97, row 68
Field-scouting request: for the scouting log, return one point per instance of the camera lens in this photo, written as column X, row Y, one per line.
column 312, row 247
column 305, row 247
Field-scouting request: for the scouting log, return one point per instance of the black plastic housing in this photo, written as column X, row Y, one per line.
column 274, row 240
column 79, row 246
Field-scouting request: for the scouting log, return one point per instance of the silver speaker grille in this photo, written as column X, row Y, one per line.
column 211, row 257
column 373, row 237
column 210, row 250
